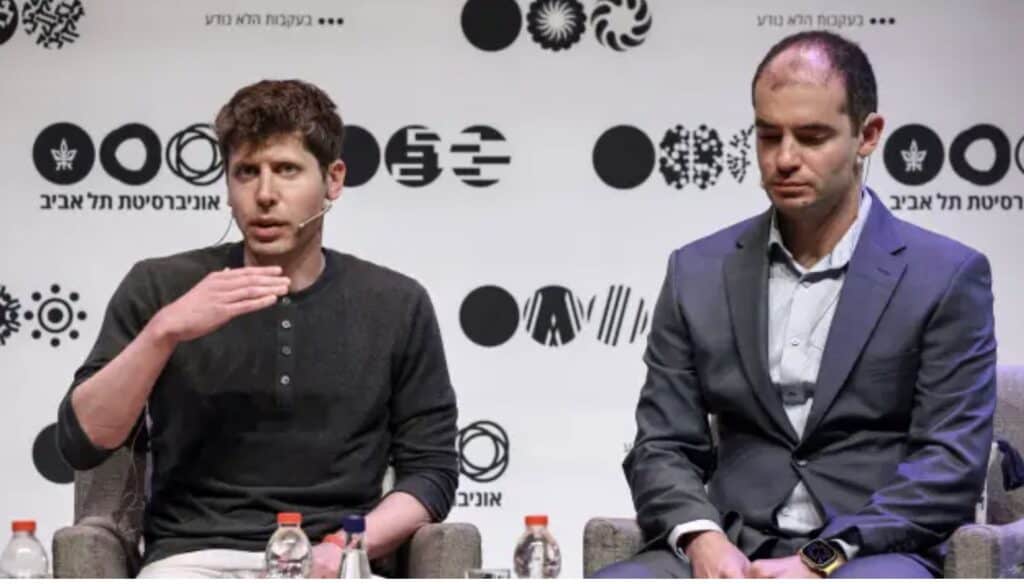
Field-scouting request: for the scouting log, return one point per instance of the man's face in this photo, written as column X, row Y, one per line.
column 806, row 146
column 275, row 187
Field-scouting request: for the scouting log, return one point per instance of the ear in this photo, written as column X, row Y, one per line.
column 870, row 134
column 335, row 178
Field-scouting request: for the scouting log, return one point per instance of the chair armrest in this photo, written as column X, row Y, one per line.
column 442, row 550
column 987, row 551
column 607, row 540
column 92, row 549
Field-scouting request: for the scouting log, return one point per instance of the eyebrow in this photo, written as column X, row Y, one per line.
column 812, row 127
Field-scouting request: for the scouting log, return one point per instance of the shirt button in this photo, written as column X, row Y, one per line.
column 805, row 284
column 285, row 300
column 286, row 350
column 800, row 462
column 795, row 342
column 285, row 380
column 286, row 324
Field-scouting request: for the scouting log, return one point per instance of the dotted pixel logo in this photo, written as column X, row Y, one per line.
column 9, row 315
column 54, row 315
column 483, row 451
column 193, row 155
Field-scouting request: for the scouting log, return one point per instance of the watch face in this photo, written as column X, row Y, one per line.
column 819, row 553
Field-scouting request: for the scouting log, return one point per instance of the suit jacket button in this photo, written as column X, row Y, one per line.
column 800, row 462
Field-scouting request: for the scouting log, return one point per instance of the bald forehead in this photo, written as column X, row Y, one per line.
column 798, row 65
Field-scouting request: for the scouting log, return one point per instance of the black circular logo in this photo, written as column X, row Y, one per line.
column 63, row 153
column 621, row 24
column 150, row 145
column 556, row 24
column 913, row 154
column 623, row 157
column 479, row 156
column 193, row 155
column 8, row 19
column 1000, row 165
column 411, row 156
column 47, row 458
column 487, row 466
column 361, row 155
column 489, row 316
column 491, row 25
column 554, row 316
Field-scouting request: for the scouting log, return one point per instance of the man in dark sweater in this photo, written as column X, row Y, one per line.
column 270, row 375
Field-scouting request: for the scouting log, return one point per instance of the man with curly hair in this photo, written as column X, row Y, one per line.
column 271, row 374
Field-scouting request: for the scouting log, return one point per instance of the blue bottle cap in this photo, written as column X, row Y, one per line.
column 353, row 524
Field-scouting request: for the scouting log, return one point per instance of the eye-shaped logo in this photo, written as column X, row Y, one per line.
column 483, row 451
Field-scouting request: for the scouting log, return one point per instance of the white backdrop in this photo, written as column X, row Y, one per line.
column 550, row 219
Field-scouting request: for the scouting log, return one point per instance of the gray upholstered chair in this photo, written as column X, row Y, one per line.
column 991, row 550
column 104, row 541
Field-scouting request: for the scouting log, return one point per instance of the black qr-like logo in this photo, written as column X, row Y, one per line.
column 691, row 157
column 53, row 23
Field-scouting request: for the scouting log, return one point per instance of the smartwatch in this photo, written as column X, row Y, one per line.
column 822, row 557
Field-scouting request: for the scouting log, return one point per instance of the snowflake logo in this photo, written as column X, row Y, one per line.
column 556, row 24
column 9, row 307
column 914, row 158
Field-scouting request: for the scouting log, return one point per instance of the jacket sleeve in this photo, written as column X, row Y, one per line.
column 950, row 435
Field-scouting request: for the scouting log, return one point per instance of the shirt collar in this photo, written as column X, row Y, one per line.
column 840, row 254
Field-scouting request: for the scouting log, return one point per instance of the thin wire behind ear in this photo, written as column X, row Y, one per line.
column 227, row 229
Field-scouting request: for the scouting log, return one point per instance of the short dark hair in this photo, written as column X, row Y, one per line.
column 266, row 109
column 847, row 59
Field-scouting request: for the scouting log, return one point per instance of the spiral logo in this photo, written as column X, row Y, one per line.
column 203, row 165
column 621, row 24
column 486, row 462
column 556, row 24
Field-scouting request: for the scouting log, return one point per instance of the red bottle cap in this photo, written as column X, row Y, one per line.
column 26, row 525
column 541, row 520
column 336, row 539
column 289, row 518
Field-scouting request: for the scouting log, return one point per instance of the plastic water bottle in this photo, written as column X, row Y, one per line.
column 24, row 556
column 289, row 554
column 537, row 554
column 354, row 561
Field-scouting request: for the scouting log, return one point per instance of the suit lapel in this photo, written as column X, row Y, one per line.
column 746, row 286
column 871, row 277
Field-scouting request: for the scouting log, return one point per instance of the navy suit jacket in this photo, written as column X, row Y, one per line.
column 896, row 446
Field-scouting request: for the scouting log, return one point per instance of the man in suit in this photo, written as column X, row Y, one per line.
column 847, row 358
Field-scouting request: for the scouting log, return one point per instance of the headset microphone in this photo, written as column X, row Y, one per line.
column 327, row 207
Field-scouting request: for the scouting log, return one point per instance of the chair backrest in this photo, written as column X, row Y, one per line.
column 1006, row 507
column 114, row 489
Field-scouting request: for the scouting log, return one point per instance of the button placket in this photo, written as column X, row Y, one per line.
column 284, row 373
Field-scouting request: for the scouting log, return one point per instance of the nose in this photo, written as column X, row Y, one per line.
column 787, row 158
column 266, row 192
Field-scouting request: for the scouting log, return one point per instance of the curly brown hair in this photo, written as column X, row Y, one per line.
column 264, row 110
